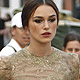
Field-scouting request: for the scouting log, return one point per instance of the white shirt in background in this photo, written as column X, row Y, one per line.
column 8, row 49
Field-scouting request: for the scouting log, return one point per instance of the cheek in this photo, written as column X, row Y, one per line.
column 54, row 28
column 34, row 29
column 19, row 33
column 78, row 54
column 55, row 25
column 66, row 50
column 31, row 27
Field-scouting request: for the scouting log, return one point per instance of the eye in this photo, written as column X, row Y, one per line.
column 76, row 50
column 70, row 49
column 22, row 28
column 38, row 21
column 52, row 20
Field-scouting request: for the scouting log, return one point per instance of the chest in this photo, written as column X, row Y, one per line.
column 41, row 69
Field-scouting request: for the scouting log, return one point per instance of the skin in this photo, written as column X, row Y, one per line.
column 73, row 47
column 21, row 36
column 47, row 22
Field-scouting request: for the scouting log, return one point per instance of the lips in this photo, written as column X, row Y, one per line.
column 26, row 39
column 46, row 34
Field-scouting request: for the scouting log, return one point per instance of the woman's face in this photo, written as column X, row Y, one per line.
column 42, row 24
column 73, row 47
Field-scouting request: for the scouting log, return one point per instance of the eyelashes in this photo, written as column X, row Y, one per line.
column 76, row 50
column 37, row 21
column 40, row 20
column 52, row 20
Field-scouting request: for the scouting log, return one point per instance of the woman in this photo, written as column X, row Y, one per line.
column 72, row 45
column 40, row 61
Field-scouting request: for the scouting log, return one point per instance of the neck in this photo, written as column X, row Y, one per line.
column 40, row 49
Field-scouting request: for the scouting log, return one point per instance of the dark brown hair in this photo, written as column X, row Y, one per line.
column 30, row 7
column 71, row 37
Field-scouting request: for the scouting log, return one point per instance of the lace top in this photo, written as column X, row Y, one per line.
column 24, row 65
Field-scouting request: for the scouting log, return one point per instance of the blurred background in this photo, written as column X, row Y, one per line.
column 69, row 18
column 8, row 6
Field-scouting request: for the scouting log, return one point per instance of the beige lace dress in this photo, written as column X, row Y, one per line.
column 24, row 65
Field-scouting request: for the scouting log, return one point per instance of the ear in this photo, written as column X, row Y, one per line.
column 13, row 30
column 63, row 49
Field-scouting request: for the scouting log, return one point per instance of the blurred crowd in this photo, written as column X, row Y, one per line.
column 5, row 28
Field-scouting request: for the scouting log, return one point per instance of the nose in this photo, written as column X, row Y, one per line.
column 73, row 51
column 46, row 25
column 26, row 31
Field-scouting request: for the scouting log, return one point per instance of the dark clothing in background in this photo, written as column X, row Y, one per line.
column 78, row 12
column 2, row 26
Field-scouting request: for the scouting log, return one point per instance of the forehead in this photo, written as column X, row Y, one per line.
column 44, row 10
column 73, row 44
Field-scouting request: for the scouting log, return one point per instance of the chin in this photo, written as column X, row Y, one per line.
column 46, row 41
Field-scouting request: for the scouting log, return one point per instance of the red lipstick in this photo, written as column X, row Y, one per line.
column 46, row 34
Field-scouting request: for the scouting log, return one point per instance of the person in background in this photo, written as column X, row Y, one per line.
column 39, row 60
column 7, row 17
column 20, row 37
column 72, row 45
column 16, row 11
column 7, row 32
column 2, row 30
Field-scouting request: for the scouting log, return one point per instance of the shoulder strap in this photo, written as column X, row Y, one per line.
column 13, row 48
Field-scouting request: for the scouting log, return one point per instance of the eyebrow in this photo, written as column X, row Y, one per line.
column 52, row 15
column 42, row 17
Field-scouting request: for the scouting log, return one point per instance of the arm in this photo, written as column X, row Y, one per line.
column 5, row 70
